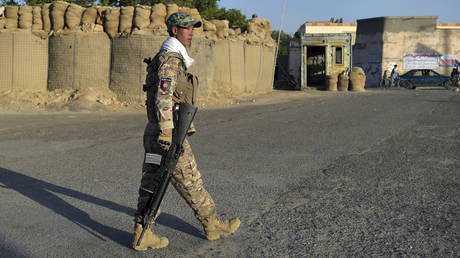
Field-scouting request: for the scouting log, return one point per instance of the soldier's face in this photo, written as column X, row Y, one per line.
column 184, row 35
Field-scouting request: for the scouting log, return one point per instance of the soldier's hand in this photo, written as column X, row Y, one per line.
column 165, row 139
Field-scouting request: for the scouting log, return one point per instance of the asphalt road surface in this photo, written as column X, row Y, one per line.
column 315, row 174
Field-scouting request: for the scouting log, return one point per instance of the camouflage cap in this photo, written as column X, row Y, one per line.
column 183, row 20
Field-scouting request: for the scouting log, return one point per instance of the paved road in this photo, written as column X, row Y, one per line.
column 318, row 174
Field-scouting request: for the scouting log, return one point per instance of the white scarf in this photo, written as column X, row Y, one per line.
column 174, row 45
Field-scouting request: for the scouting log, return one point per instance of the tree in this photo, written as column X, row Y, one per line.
column 339, row 20
column 284, row 39
column 234, row 17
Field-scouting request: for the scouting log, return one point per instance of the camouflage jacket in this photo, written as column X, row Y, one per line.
column 168, row 83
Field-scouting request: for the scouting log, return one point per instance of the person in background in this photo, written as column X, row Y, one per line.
column 393, row 76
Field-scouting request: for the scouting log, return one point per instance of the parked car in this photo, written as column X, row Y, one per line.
column 422, row 77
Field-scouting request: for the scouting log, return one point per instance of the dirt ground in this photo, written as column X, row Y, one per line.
column 93, row 99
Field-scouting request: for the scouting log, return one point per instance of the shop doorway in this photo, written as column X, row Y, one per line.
column 316, row 65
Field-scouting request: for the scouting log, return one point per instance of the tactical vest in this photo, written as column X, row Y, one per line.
column 186, row 85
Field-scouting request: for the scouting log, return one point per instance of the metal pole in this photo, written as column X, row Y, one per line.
column 278, row 41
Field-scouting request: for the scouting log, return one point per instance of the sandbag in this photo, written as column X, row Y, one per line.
column 259, row 31
column 46, row 17
column 11, row 14
column 158, row 17
column 98, row 28
column 221, row 28
column 343, row 82
column 237, row 31
column 358, row 70
column 211, row 35
column 88, row 19
column 142, row 17
column 126, row 19
column 357, row 79
column 209, row 26
column 58, row 10
column 73, row 17
column 37, row 23
column 25, row 17
column 111, row 21
column 100, row 14
column 331, row 82
column 197, row 17
column 2, row 23
column 171, row 8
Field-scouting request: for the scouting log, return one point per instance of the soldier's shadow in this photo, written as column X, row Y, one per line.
column 43, row 193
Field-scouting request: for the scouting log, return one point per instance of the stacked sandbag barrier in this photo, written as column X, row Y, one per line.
column 11, row 15
column 25, row 17
column 63, row 17
column 103, row 47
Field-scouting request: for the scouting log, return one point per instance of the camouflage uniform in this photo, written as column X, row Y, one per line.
column 168, row 83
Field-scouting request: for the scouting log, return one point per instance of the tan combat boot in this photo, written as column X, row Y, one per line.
column 217, row 227
column 149, row 240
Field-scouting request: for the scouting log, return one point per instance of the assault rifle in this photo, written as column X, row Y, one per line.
column 183, row 117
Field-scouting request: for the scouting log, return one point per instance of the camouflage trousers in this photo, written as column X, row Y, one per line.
column 186, row 179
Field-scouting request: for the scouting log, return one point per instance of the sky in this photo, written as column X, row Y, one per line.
column 298, row 12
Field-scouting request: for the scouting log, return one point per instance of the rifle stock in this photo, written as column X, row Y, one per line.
column 184, row 114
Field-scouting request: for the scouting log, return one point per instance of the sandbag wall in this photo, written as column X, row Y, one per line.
column 62, row 45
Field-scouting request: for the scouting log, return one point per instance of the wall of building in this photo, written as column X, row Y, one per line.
column 381, row 42
column 329, row 27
